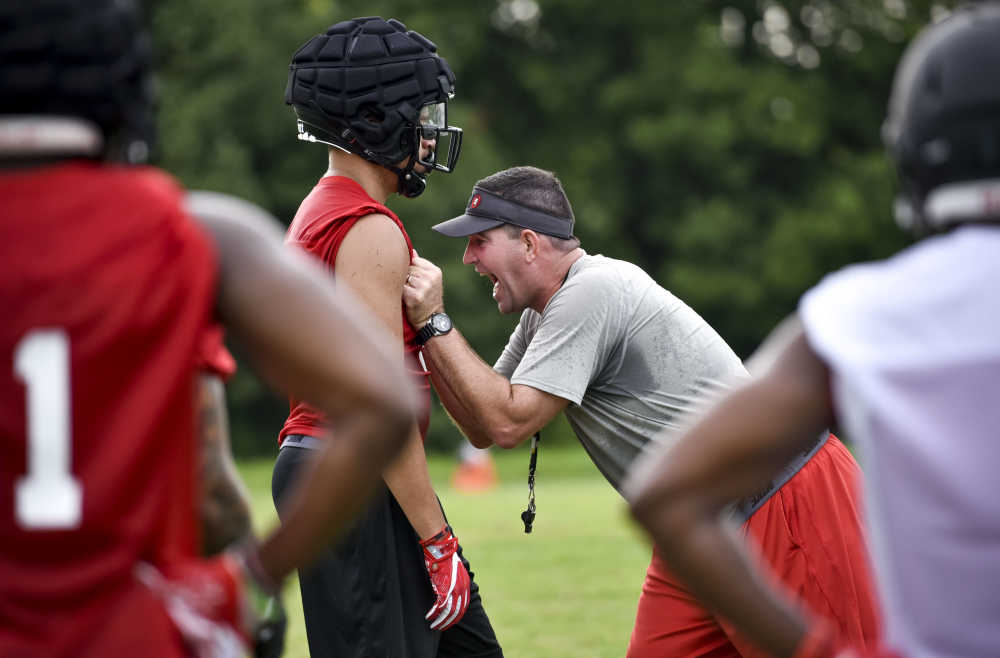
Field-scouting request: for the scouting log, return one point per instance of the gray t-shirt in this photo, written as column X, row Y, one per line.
column 629, row 356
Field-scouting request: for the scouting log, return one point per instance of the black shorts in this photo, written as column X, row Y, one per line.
column 367, row 596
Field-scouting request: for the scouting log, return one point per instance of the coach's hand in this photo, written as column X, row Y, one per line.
column 448, row 577
column 423, row 291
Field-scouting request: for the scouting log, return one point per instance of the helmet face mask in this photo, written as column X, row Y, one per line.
column 375, row 89
column 447, row 139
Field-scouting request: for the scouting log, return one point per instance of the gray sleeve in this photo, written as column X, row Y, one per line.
column 580, row 327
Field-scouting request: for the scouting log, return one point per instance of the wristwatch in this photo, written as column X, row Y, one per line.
column 437, row 325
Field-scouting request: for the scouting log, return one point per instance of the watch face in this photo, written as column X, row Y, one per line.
column 441, row 322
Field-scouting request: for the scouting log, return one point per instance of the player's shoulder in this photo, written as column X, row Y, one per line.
column 144, row 199
column 882, row 285
column 378, row 229
column 926, row 294
column 153, row 186
column 120, row 187
column 868, row 312
column 374, row 243
column 115, row 204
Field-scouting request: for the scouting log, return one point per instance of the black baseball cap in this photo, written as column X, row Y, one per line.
column 486, row 210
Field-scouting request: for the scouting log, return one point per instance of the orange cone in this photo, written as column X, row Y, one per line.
column 475, row 471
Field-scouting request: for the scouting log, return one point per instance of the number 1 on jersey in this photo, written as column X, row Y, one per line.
column 48, row 497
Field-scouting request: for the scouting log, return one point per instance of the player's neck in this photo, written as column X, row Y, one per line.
column 377, row 181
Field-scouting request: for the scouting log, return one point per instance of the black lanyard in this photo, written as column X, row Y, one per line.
column 528, row 515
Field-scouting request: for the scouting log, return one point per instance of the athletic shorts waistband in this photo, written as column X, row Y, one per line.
column 742, row 510
column 302, row 441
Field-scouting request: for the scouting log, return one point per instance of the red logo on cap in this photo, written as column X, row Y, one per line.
column 475, row 201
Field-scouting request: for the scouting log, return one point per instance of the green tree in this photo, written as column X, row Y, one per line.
column 729, row 147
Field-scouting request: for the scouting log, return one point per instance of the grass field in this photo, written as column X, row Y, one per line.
column 569, row 588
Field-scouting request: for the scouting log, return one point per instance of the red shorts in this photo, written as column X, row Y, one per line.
column 810, row 536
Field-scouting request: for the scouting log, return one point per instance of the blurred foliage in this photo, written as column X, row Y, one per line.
column 729, row 147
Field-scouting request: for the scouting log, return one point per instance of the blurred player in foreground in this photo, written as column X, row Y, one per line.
column 905, row 354
column 109, row 286
column 626, row 361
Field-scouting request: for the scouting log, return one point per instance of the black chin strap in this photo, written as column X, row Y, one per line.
column 411, row 183
column 528, row 515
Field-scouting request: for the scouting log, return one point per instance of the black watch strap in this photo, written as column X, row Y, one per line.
column 425, row 334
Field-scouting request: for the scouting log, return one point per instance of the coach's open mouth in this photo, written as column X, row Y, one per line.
column 493, row 280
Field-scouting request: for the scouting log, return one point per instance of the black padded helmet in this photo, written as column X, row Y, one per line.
column 943, row 124
column 75, row 80
column 372, row 87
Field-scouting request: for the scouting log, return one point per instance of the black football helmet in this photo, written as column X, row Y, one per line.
column 75, row 80
column 371, row 87
column 943, row 124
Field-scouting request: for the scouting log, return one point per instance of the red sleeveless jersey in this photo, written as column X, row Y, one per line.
column 107, row 290
column 325, row 216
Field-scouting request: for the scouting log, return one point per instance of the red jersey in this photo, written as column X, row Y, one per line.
column 107, row 289
column 325, row 216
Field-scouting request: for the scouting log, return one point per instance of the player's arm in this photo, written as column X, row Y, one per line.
column 482, row 402
column 283, row 308
column 225, row 506
column 730, row 452
column 373, row 260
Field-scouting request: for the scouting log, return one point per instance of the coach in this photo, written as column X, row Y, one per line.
column 626, row 361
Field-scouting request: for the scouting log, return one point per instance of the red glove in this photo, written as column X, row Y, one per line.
column 449, row 579
column 220, row 606
column 202, row 599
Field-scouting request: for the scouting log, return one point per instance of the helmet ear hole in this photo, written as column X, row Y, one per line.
column 371, row 113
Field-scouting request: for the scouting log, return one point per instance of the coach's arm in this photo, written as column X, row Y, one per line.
column 483, row 403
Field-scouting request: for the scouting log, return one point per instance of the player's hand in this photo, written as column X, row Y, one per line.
column 821, row 641
column 220, row 606
column 264, row 619
column 423, row 291
column 448, row 577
